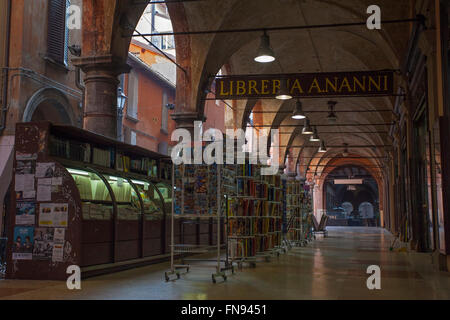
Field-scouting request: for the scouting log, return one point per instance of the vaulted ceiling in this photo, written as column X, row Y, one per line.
column 349, row 48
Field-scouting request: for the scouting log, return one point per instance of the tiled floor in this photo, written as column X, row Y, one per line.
column 330, row 268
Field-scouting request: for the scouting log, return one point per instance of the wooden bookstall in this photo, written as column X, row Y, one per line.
column 87, row 200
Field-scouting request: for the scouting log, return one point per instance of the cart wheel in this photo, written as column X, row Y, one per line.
column 187, row 269
column 213, row 279
column 224, row 278
column 166, row 276
column 178, row 275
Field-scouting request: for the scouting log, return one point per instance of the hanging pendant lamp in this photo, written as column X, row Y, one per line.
column 345, row 153
column 322, row 148
column 315, row 136
column 298, row 113
column 283, row 93
column 307, row 127
column 265, row 53
column 332, row 117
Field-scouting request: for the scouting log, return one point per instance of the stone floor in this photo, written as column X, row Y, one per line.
column 328, row 268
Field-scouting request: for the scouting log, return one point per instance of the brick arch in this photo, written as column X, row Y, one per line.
column 108, row 26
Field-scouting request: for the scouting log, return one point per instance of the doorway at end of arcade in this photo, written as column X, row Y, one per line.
column 352, row 197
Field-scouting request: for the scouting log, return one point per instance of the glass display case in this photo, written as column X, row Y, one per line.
column 127, row 200
column 166, row 193
column 118, row 210
column 96, row 199
column 153, row 204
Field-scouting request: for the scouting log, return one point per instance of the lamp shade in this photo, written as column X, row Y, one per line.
column 265, row 53
column 315, row 136
column 307, row 127
column 332, row 117
column 322, row 148
column 298, row 113
column 345, row 152
column 283, row 93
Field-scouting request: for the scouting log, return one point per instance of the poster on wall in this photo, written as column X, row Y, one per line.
column 25, row 167
column 24, row 182
column 58, row 245
column 53, row 215
column 25, row 195
column 46, row 215
column 45, row 169
column 44, row 189
column 25, row 156
column 60, row 214
column 25, row 213
column 43, row 243
column 23, row 243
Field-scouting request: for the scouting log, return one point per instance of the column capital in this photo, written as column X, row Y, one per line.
column 108, row 62
column 185, row 120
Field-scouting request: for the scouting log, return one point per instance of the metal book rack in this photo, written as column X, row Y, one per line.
column 185, row 251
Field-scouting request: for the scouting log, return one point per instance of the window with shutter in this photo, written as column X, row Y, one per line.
column 133, row 95
column 164, row 113
column 57, row 31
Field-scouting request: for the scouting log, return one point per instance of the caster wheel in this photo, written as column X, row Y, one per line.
column 167, row 277
column 213, row 279
column 178, row 275
column 224, row 278
column 187, row 269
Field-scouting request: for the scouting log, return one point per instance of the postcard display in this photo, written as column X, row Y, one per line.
column 254, row 215
column 198, row 214
column 79, row 202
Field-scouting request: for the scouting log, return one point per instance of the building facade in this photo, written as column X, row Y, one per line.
column 39, row 81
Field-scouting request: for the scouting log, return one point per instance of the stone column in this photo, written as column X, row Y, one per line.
column 101, row 82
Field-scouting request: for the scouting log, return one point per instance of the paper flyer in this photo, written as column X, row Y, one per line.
column 25, row 195
column 25, row 156
column 43, row 243
column 60, row 214
column 45, row 181
column 56, row 181
column 53, row 215
column 46, row 214
column 45, row 169
column 24, row 182
column 25, row 213
column 23, row 243
column 58, row 252
column 25, row 167
column 44, row 193
column 59, row 235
